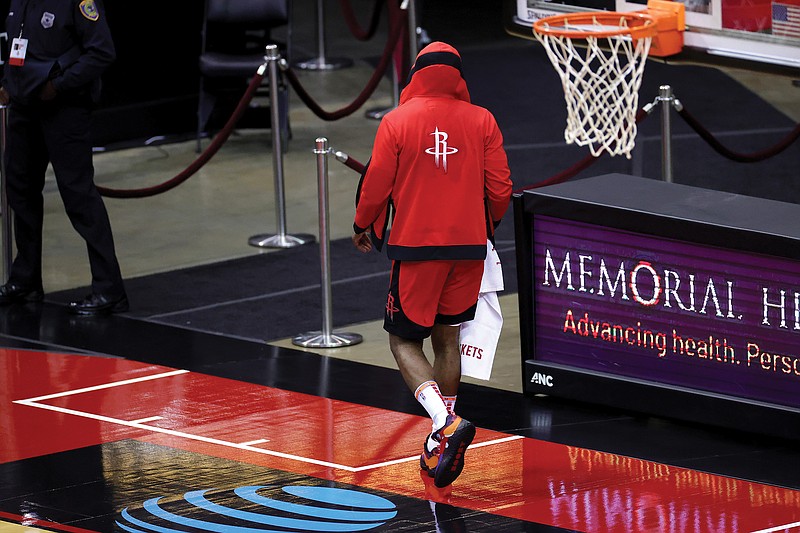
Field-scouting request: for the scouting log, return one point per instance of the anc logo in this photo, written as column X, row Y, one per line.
column 251, row 509
column 89, row 10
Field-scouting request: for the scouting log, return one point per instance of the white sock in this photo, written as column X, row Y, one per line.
column 431, row 399
column 431, row 443
column 450, row 402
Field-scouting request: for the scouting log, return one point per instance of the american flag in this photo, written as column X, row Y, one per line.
column 786, row 18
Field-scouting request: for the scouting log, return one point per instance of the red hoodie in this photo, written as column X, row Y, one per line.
column 438, row 162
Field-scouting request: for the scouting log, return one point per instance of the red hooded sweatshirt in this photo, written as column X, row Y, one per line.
column 437, row 162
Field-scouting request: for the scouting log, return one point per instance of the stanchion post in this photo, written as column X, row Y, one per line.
column 325, row 338
column 321, row 62
column 665, row 96
column 5, row 212
column 413, row 35
column 379, row 112
column 413, row 48
column 280, row 239
column 667, row 100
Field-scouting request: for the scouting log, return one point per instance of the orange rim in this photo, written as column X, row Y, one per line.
column 640, row 25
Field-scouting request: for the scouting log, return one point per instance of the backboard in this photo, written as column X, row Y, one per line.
column 755, row 34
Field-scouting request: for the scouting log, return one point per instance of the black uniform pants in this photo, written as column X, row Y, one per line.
column 56, row 132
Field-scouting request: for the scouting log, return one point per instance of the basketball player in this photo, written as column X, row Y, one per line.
column 439, row 173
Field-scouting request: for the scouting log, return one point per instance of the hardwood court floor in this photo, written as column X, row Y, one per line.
column 122, row 424
column 184, row 431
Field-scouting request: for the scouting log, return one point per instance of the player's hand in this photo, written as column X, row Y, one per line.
column 4, row 98
column 362, row 242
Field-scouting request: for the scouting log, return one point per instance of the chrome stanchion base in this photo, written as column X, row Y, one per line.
column 324, row 63
column 316, row 339
column 280, row 241
column 377, row 113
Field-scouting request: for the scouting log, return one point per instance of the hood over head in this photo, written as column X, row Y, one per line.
column 436, row 72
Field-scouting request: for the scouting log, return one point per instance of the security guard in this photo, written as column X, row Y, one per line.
column 58, row 50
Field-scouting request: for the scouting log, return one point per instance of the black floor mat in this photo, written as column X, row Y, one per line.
column 268, row 296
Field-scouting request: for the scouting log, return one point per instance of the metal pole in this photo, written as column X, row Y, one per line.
column 5, row 212
column 321, row 62
column 379, row 112
column 324, row 245
column 325, row 338
column 413, row 50
column 413, row 35
column 665, row 97
column 281, row 239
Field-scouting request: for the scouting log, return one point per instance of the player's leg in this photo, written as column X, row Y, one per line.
column 411, row 309
column 457, row 304
column 447, row 361
column 410, row 312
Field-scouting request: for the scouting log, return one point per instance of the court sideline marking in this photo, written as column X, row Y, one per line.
column 247, row 446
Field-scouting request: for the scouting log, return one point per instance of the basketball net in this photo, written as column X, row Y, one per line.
column 601, row 68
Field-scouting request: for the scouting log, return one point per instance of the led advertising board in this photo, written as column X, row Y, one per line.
column 637, row 295
column 667, row 310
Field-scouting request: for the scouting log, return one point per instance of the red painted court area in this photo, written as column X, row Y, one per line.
column 53, row 402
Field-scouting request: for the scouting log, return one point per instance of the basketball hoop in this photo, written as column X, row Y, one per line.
column 601, row 83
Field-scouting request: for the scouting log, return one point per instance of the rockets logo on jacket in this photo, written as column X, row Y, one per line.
column 440, row 150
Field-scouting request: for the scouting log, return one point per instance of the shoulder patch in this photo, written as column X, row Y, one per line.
column 89, row 10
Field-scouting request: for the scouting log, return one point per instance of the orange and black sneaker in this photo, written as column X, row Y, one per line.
column 429, row 458
column 446, row 461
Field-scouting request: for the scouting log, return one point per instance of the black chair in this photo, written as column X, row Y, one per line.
column 234, row 36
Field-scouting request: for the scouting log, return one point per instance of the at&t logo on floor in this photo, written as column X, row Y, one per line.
column 294, row 508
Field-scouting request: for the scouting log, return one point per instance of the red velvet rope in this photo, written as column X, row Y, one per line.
column 352, row 22
column 558, row 178
column 562, row 176
column 353, row 164
column 201, row 160
column 397, row 23
column 570, row 172
column 735, row 156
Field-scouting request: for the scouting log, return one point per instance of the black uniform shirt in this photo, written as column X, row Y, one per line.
column 68, row 42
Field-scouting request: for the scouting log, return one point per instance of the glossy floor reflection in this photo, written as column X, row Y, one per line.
column 142, row 446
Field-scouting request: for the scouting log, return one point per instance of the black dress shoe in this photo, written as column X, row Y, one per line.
column 12, row 292
column 99, row 304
